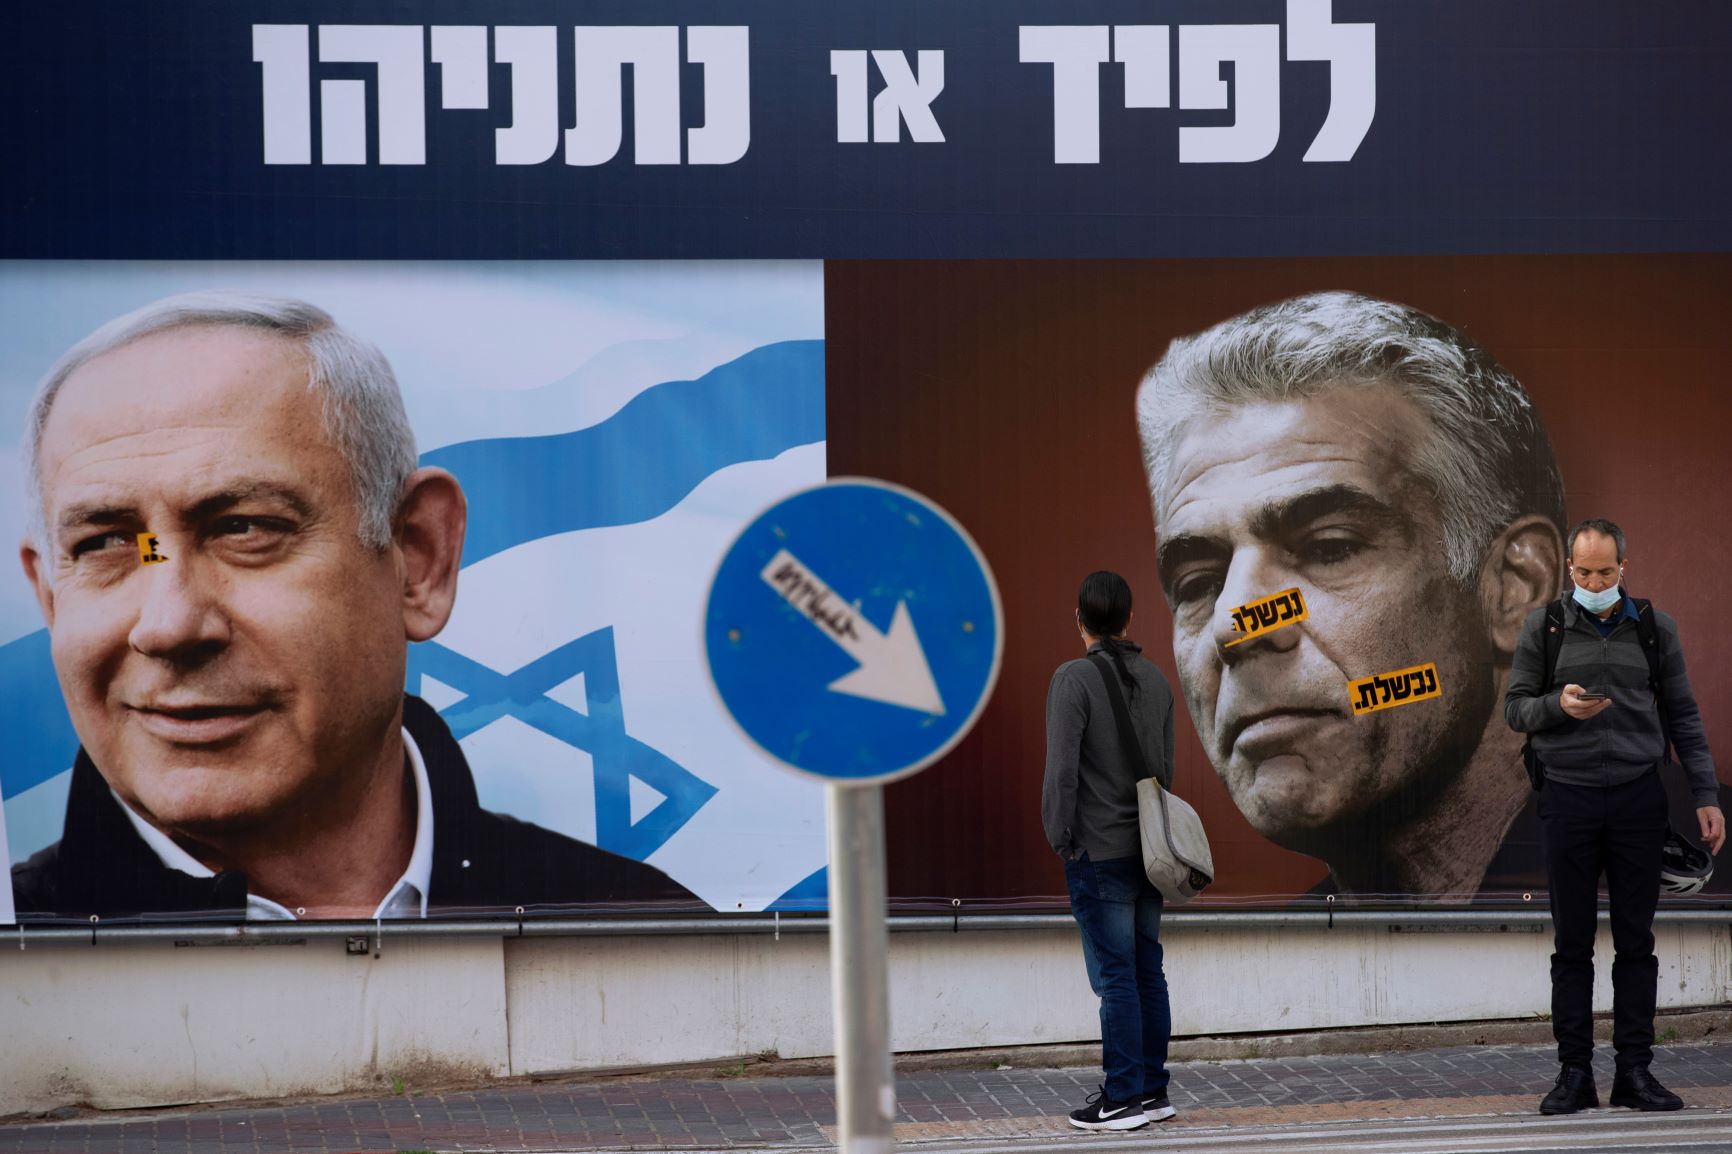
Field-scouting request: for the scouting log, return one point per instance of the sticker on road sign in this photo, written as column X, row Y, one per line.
column 854, row 631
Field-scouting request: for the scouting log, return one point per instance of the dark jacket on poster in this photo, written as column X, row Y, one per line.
column 1088, row 797
column 482, row 862
column 1520, row 864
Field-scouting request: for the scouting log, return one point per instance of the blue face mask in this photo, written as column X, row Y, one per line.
column 1597, row 603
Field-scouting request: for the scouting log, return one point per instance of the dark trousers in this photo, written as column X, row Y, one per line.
column 1119, row 913
column 1617, row 831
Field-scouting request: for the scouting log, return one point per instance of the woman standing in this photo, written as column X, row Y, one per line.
column 1089, row 808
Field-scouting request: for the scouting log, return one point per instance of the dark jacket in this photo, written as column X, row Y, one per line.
column 482, row 862
column 1625, row 740
column 1088, row 798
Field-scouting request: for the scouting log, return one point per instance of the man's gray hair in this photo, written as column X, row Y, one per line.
column 1487, row 462
column 362, row 407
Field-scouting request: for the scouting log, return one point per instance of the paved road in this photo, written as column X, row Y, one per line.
column 1697, row 1130
column 1467, row 1099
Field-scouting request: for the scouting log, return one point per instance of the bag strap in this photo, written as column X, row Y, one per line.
column 1122, row 715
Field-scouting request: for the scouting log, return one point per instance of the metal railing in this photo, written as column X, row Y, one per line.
column 377, row 932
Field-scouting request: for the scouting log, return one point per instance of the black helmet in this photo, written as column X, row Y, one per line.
column 1684, row 866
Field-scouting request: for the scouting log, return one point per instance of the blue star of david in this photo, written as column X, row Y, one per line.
column 617, row 756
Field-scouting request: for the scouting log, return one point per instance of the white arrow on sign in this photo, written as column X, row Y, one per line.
column 893, row 667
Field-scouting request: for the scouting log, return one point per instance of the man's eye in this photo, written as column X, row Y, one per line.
column 99, row 542
column 1196, row 587
column 1330, row 550
column 248, row 531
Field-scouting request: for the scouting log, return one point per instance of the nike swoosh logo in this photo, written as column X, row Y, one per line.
column 1110, row 1113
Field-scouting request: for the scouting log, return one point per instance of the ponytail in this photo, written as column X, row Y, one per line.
column 1117, row 653
column 1103, row 605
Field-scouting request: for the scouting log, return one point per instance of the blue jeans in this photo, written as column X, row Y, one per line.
column 1119, row 913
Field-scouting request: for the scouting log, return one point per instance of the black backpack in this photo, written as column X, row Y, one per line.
column 1552, row 640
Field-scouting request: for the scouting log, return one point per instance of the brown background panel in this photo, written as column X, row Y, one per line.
column 1004, row 391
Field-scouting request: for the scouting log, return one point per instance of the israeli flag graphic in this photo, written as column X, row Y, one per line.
column 613, row 426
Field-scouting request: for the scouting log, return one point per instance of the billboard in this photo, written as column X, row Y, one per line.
column 642, row 269
column 608, row 426
column 1014, row 393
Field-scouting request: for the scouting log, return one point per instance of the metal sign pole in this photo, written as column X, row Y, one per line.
column 859, row 984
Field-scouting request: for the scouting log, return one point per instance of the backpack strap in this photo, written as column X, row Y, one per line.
column 1121, row 715
column 1551, row 643
column 1648, row 633
column 1553, row 640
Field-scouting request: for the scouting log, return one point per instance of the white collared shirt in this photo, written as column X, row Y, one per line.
column 407, row 899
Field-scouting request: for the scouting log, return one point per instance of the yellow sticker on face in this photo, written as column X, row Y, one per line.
column 147, row 554
column 1267, row 615
column 1387, row 690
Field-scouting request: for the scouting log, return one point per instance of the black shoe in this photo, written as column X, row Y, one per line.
column 1574, row 1091
column 1640, row 1090
column 1102, row 1113
column 1156, row 1108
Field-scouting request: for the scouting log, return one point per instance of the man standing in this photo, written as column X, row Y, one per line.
column 1109, row 721
column 1601, row 727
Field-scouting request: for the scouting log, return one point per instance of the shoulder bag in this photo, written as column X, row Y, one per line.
column 1175, row 849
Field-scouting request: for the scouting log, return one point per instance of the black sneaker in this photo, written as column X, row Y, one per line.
column 1640, row 1090
column 1156, row 1108
column 1102, row 1113
column 1574, row 1091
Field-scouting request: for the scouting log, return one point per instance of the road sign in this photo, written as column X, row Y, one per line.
column 854, row 631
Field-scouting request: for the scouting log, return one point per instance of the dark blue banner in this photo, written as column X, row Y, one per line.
column 900, row 128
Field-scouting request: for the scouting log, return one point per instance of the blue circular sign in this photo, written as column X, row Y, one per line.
column 854, row 631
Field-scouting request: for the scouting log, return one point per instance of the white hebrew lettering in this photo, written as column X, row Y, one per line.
column 1255, row 53
column 1351, row 50
column 725, row 53
column 282, row 51
column 343, row 121
column 1143, row 50
column 1254, row 94
column 399, row 51
column 533, row 54
column 1076, row 53
column 460, row 51
column 400, row 54
column 907, row 100
column 848, row 66
column 602, row 54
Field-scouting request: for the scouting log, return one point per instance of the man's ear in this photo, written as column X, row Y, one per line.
column 430, row 524
column 36, row 572
column 1524, row 569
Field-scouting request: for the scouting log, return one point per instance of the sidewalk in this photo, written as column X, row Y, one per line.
column 977, row 1108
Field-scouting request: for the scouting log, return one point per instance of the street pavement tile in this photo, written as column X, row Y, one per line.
column 794, row 1111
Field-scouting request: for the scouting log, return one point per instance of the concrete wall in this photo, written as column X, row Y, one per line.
column 151, row 1024
column 142, row 1024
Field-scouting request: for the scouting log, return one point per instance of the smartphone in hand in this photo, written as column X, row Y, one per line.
column 1589, row 696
